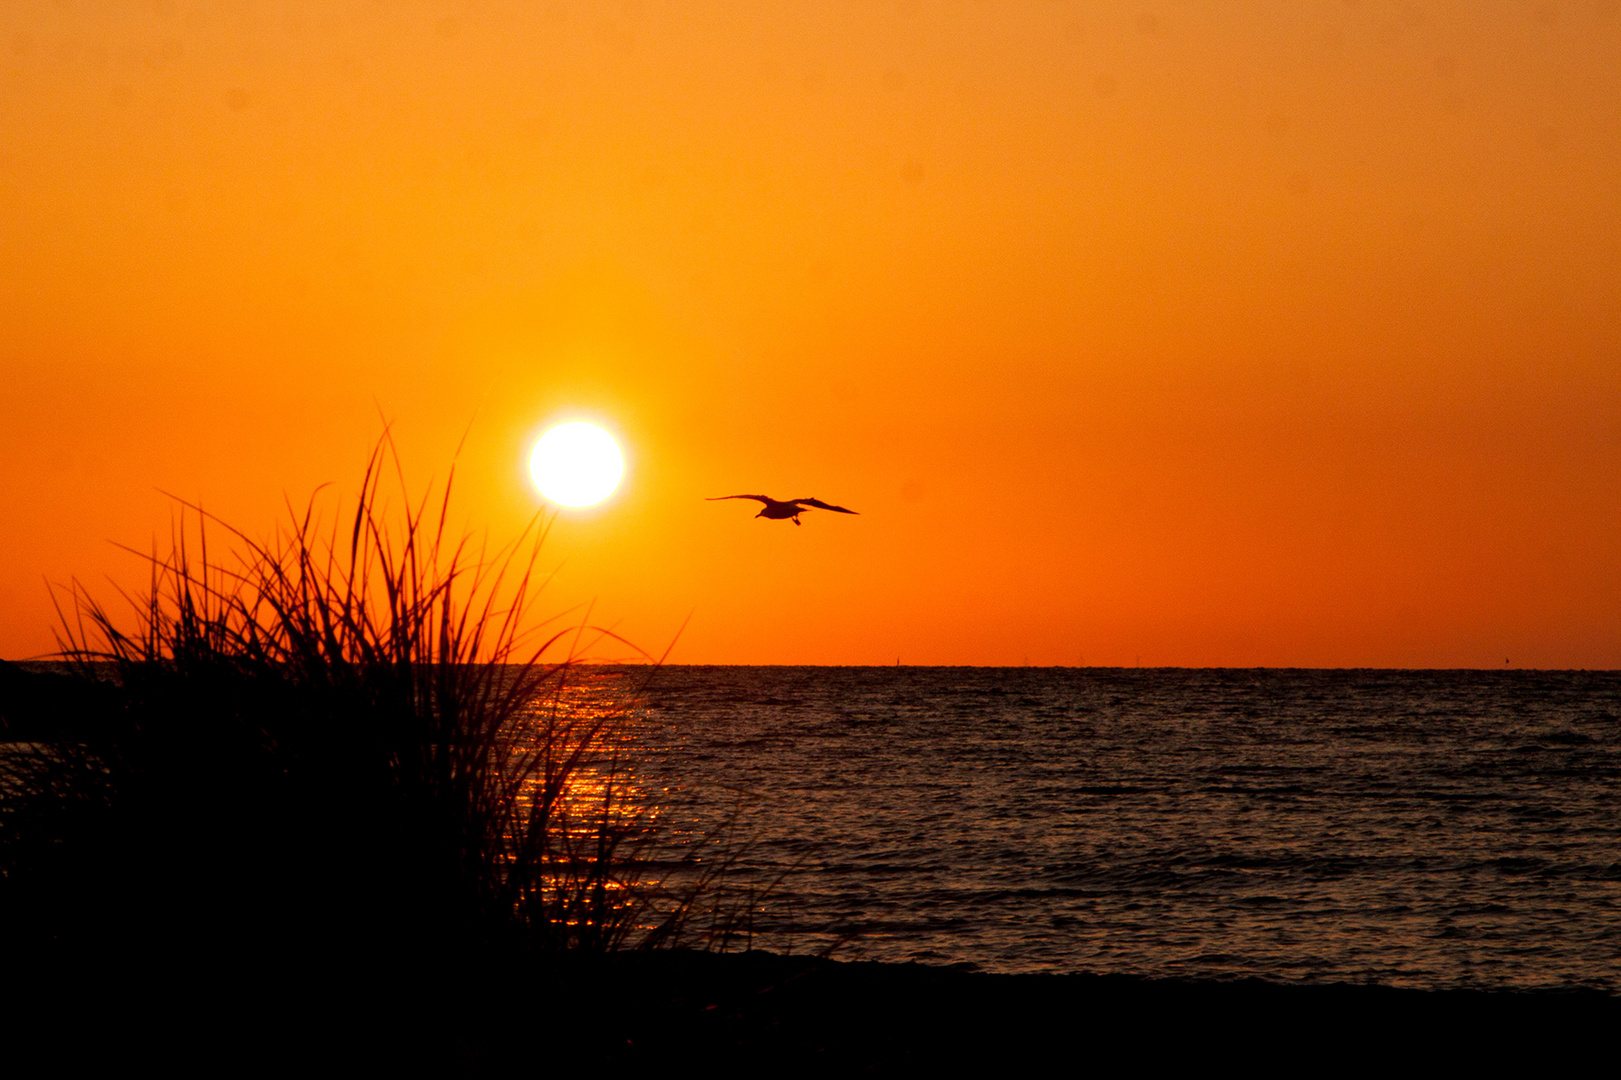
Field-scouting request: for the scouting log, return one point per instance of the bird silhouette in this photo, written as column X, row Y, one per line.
column 778, row 509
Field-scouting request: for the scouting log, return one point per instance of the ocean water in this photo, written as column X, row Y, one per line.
column 1428, row 829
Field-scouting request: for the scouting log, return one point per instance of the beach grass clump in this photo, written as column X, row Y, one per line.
column 352, row 739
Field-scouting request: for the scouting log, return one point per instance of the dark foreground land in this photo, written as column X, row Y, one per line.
column 770, row 1013
column 767, row 1007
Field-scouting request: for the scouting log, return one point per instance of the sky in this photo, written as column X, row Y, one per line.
column 1240, row 333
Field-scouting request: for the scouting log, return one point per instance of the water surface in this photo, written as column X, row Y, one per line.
column 1426, row 829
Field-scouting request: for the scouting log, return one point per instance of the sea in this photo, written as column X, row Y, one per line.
column 1434, row 829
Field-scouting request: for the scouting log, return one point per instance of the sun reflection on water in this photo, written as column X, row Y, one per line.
column 588, row 835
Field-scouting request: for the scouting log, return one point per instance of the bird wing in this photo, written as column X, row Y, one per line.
column 820, row 505
column 768, row 500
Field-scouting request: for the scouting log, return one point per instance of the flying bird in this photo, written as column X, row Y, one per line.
column 777, row 509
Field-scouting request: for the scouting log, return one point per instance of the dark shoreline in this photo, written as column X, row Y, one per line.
column 788, row 1014
column 872, row 1013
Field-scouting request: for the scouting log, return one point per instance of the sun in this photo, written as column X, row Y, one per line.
column 576, row 464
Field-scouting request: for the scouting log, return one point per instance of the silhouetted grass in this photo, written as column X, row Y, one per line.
column 347, row 743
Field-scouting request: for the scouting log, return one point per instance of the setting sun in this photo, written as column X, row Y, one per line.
column 576, row 464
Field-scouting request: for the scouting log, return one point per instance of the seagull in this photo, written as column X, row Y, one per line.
column 777, row 509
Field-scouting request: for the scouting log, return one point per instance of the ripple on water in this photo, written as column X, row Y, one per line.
column 1410, row 828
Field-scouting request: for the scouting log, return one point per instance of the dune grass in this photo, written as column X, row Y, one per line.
column 354, row 738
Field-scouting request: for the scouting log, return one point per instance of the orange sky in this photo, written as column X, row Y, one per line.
column 1219, row 333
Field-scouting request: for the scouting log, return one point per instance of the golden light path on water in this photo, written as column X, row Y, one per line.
column 610, row 868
